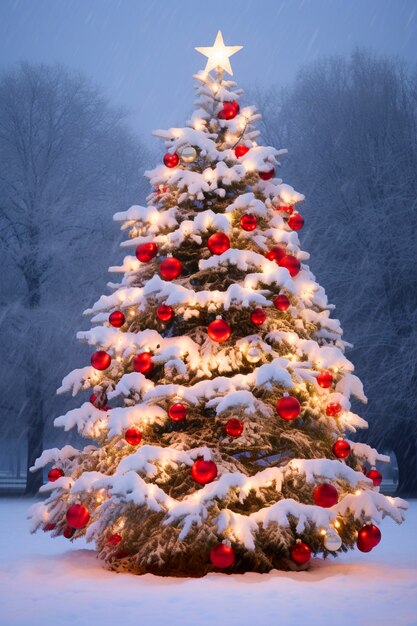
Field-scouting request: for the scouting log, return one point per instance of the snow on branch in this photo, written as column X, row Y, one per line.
column 57, row 456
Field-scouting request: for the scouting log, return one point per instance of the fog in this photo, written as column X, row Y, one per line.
column 142, row 52
column 84, row 83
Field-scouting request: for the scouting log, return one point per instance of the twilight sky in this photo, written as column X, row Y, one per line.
column 142, row 52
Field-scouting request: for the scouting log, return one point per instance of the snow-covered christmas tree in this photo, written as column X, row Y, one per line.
column 220, row 390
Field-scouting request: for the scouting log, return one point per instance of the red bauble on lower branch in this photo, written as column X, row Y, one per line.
column 77, row 516
column 234, row 427
column 369, row 536
column 258, row 316
column 375, row 476
column 333, row 409
column 117, row 319
column 267, row 175
column 229, row 110
column 100, row 360
column 219, row 330
column 171, row 159
column 325, row 379
column 291, row 263
column 218, row 243
column 145, row 252
column 296, row 221
column 248, row 222
column 341, row 448
column 325, row 495
column 68, row 532
column 203, row 472
column 177, row 412
column 300, row 553
column 48, row 527
column 222, row 556
column 170, row 268
column 114, row 540
column 54, row 474
column 276, row 254
column 143, row 363
column 281, row 302
column 133, row 436
column 288, row 408
column 164, row 313
column 240, row 151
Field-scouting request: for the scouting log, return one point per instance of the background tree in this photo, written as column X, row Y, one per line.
column 350, row 127
column 67, row 161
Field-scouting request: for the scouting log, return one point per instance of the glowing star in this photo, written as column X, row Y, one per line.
column 218, row 55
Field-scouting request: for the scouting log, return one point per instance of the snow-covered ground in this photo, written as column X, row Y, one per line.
column 54, row 582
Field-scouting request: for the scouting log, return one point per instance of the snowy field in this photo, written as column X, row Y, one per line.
column 54, row 582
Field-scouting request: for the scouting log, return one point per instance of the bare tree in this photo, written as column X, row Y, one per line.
column 351, row 129
column 68, row 162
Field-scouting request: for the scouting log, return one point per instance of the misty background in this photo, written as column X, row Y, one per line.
column 82, row 86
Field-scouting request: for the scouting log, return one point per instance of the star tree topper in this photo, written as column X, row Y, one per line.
column 218, row 55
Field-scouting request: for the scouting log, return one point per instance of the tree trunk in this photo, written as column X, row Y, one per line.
column 406, row 454
column 35, row 423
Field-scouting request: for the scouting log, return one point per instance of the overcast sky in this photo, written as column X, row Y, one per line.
column 142, row 52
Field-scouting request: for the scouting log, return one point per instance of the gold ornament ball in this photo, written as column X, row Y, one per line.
column 332, row 541
column 188, row 154
column 253, row 355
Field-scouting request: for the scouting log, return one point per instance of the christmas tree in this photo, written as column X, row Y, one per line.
column 220, row 392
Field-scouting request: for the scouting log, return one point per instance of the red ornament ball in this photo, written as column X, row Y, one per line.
column 300, row 553
column 296, row 221
column 133, row 436
column 100, row 360
column 291, row 263
column 114, row 540
column 341, row 449
column 68, row 532
column 281, row 302
column 267, row 175
column 234, row 427
column 240, row 151
column 117, row 319
column 177, row 412
column 285, row 208
column 218, row 243
column 375, row 476
column 325, row 495
column 248, row 222
column 258, row 316
column 143, row 363
column 48, row 527
column 229, row 110
column 54, row 474
column 222, row 556
column 218, row 330
column 164, row 313
column 203, row 472
column 99, row 400
column 170, row 268
column 325, row 379
column 145, row 252
column 288, row 408
column 77, row 516
column 276, row 254
column 333, row 409
column 369, row 536
column 171, row 159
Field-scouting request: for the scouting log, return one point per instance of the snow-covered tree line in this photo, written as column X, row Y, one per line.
column 68, row 159
column 350, row 125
